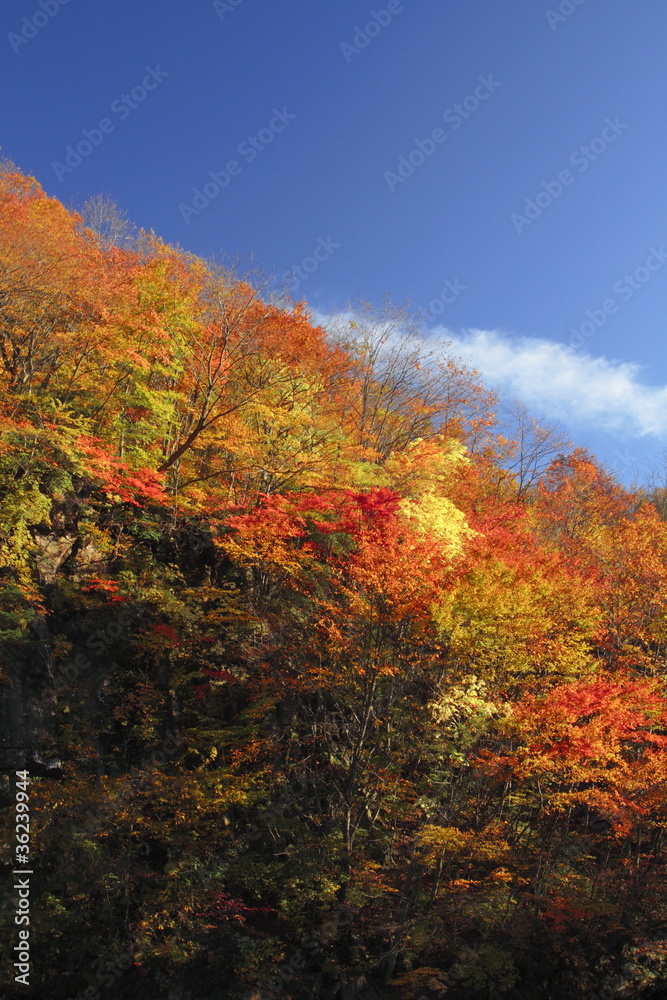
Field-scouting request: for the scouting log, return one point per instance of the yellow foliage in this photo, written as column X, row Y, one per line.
column 439, row 841
column 438, row 517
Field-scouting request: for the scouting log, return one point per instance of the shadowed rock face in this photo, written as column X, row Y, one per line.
column 15, row 728
column 25, row 711
column 26, row 695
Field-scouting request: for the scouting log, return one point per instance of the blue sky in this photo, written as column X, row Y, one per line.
column 515, row 151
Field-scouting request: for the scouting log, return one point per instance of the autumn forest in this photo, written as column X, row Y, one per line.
column 332, row 679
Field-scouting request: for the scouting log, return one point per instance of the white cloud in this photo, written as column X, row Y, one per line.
column 556, row 381
column 565, row 384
